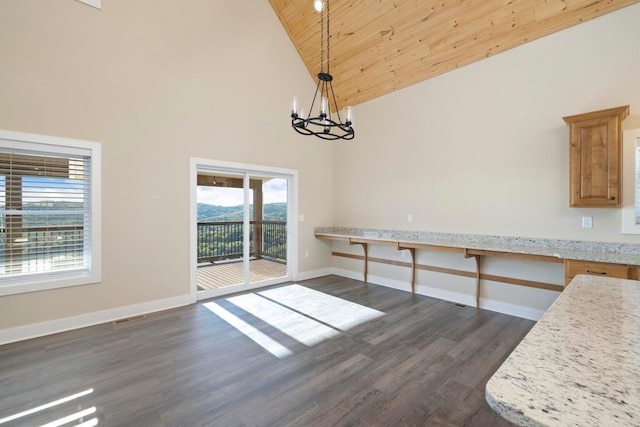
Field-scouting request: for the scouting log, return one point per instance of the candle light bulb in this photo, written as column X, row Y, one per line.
column 294, row 107
column 348, row 114
column 324, row 106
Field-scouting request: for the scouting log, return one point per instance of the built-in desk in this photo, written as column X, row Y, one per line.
column 624, row 256
column 580, row 364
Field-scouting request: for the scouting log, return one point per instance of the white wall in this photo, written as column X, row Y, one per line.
column 481, row 150
column 156, row 83
column 484, row 150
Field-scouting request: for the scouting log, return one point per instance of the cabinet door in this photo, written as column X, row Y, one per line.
column 595, row 166
column 595, row 158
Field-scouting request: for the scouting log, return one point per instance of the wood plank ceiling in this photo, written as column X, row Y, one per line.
column 380, row 46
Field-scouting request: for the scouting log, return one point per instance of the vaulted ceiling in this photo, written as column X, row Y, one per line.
column 379, row 46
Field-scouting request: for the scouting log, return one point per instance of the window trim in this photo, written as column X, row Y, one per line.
column 20, row 140
column 631, row 140
column 636, row 187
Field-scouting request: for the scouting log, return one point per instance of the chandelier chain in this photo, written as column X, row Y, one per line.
column 322, row 41
column 328, row 40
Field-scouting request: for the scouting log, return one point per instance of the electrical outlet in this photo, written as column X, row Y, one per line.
column 301, row 217
column 306, row 254
column 403, row 253
column 587, row 222
column 409, row 218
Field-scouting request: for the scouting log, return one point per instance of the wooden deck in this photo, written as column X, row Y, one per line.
column 228, row 274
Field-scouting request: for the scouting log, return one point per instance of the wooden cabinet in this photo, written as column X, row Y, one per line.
column 595, row 158
column 618, row 271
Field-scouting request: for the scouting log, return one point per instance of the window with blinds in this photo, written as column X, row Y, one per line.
column 47, row 221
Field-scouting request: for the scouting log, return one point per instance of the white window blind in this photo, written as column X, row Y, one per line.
column 46, row 216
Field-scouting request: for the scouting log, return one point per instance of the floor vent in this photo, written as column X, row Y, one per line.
column 128, row 319
column 457, row 304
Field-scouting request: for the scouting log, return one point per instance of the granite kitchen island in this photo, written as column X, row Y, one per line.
column 580, row 364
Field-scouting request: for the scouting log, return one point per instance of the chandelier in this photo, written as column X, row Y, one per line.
column 325, row 124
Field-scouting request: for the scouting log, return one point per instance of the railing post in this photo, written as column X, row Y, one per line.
column 258, row 217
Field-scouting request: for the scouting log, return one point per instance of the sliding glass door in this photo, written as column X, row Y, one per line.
column 268, row 212
column 242, row 229
column 220, row 230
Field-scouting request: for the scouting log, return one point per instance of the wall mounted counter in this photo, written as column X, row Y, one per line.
column 607, row 256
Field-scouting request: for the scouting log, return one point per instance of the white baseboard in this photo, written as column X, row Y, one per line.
column 511, row 309
column 376, row 280
column 457, row 297
column 443, row 294
column 349, row 274
column 89, row 319
column 313, row 274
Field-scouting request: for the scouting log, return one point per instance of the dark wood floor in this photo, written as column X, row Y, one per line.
column 424, row 362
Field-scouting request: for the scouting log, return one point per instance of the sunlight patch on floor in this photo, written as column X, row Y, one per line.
column 328, row 309
column 299, row 327
column 306, row 315
column 263, row 340
column 80, row 415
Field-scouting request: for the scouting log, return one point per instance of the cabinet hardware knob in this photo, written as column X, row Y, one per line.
column 612, row 198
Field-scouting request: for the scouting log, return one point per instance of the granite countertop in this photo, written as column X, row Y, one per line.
column 580, row 364
column 619, row 253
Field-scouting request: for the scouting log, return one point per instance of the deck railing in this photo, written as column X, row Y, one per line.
column 33, row 249
column 223, row 240
column 274, row 240
column 42, row 248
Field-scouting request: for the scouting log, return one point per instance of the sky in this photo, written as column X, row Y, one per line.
column 274, row 191
column 37, row 189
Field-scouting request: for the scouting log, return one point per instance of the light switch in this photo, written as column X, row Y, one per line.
column 587, row 222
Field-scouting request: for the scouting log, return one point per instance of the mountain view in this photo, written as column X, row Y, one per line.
column 213, row 213
column 206, row 212
column 224, row 241
column 218, row 241
column 66, row 214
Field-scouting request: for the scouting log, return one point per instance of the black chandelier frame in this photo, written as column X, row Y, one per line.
column 323, row 125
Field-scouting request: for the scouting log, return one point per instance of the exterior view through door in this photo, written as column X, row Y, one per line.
column 241, row 230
